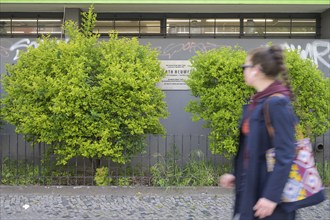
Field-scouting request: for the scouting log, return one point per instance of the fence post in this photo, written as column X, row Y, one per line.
column 39, row 163
column 1, row 160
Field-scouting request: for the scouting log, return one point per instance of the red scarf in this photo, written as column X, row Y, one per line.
column 275, row 87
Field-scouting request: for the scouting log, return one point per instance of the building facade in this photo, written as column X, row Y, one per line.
column 178, row 29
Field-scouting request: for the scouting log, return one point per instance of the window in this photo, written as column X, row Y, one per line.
column 104, row 27
column 49, row 26
column 5, row 26
column 303, row 27
column 255, row 26
column 30, row 26
column 227, row 27
column 204, row 26
column 128, row 26
column 24, row 26
column 277, row 27
column 172, row 25
column 178, row 26
column 150, row 27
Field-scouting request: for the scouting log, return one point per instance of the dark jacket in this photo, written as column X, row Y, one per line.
column 253, row 181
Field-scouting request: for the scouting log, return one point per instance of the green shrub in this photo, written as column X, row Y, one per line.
column 311, row 89
column 217, row 81
column 87, row 97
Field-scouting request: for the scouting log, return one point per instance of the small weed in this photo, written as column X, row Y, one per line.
column 324, row 171
column 101, row 177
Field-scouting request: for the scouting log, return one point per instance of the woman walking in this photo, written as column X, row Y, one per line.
column 258, row 189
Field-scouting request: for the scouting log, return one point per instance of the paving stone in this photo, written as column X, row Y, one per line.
column 124, row 204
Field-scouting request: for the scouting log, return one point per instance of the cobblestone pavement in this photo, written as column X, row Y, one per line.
column 56, row 203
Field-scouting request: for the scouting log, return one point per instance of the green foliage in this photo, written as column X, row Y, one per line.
column 324, row 171
column 218, row 82
column 90, row 98
column 101, row 177
column 196, row 172
column 26, row 173
column 88, row 22
column 104, row 177
column 18, row 172
column 123, row 181
column 311, row 89
column 1, row 114
column 167, row 172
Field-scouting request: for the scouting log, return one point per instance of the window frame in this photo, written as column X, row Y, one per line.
column 163, row 24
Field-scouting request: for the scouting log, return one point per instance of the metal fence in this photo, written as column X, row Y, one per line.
column 24, row 163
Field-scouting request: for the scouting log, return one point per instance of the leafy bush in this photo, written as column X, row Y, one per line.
column 217, row 80
column 86, row 97
column 311, row 89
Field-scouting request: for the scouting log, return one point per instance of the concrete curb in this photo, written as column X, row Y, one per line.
column 114, row 190
column 119, row 190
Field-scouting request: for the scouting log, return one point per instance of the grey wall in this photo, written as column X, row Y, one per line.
column 179, row 121
column 182, row 49
column 73, row 14
column 325, row 23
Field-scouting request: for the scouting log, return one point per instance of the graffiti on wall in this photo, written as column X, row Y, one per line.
column 317, row 50
column 21, row 45
column 191, row 47
column 18, row 46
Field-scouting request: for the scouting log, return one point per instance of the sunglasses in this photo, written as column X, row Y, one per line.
column 244, row 66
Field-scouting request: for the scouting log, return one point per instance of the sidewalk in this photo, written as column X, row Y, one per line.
column 91, row 202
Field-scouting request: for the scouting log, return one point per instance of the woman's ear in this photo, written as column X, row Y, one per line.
column 256, row 69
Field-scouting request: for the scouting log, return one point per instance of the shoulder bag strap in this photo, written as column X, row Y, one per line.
column 268, row 122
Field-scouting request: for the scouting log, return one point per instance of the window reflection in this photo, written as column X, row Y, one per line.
column 28, row 26
column 227, row 26
column 186, row 27
column 128, row 26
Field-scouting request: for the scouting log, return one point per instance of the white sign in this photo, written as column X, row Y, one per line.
column 177, row 72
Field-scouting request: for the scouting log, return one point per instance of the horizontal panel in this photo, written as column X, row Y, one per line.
column 262, row 2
